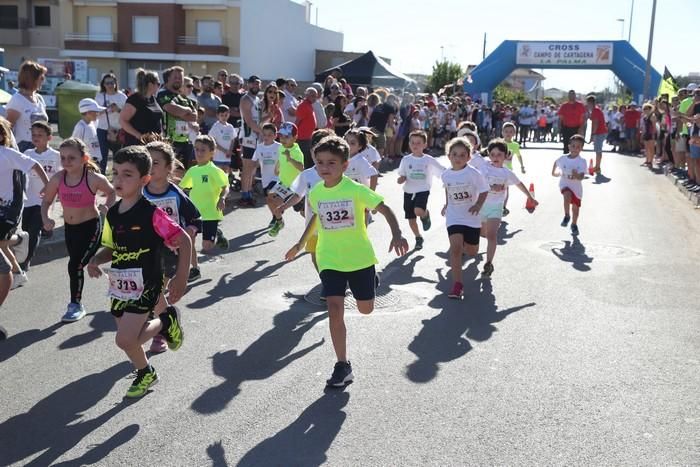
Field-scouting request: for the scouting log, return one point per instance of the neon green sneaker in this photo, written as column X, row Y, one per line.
column 275, row 229
column 172, row 328
column 143, row 381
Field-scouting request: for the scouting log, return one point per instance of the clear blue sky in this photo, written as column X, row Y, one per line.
column 411, row 32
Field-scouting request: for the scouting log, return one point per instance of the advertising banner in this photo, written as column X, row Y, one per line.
column 564, row 53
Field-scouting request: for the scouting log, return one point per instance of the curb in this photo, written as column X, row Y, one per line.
column 693, row 197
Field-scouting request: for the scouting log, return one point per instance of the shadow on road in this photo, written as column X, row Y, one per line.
column 216, row 453
column 266, row 356
column 100, row 452
column 234, row 286
column 503, row 235
column 101, row 322
column 445, row 337
column 56, row 424
column 574, row 252
column 401, row 270
column 600, row 179
column 306, row 440
column 14, row 344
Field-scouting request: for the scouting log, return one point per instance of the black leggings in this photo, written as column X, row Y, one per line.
column 82, row 242
column 31, row 223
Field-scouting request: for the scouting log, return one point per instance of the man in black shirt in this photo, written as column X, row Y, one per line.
column 232, row 98
column 381, row 115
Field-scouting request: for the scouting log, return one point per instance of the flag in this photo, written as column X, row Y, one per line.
column 668, row 84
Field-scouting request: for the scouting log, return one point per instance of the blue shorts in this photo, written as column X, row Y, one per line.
column 694, row 151
column 491, row 210
column 598, row 141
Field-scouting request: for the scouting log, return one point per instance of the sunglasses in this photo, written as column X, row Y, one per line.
column 110, row 83
column 189, row 85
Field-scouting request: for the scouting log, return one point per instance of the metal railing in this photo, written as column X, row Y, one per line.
column 73, row 36
column 196, row 40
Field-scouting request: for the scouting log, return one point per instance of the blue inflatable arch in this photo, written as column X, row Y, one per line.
column 618, row 56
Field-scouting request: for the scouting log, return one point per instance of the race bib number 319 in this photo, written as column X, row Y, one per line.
column 125, row 284
column 335, row 215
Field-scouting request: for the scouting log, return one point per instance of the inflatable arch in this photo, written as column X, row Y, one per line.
column 618, row 56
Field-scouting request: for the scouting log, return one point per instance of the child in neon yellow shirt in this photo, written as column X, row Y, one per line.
column 289, row 165
column 339, row 205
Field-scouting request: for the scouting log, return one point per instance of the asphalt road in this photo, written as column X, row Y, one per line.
column 577, row 352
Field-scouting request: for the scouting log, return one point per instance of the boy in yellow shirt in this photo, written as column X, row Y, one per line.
column 289, row 165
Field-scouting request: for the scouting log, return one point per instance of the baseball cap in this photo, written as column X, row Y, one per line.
column 253, row 78
column 287, row 129
column 89, row 105
column 692, row 87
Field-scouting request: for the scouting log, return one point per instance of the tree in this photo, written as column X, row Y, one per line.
column 506, row 94
column 444, row 72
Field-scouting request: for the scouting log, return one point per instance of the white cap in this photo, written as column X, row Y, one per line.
column 692, row 86
column 90, row 105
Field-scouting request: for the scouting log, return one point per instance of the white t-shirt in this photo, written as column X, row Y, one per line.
column 371, row 154
column 290, row 102
column 419, row 172
column 107, row 100
column 498, row 179
column 478, row 162
column 50, row 160
column 29, row 112
column 301, row 185
column 463, row 189
column 10, row 160
column 87, row 133
column 360, row 170
column 223, row 134
column 566, row 166
column 267, row 157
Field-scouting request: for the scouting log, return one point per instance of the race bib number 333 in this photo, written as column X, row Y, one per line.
column 459, row 194
column 125, row 284
column 336, row 215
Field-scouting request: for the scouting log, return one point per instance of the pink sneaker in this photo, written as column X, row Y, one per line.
column 456, row 291
column 159, row 345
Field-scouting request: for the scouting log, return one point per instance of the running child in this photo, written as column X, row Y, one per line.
column 208, row 188
column 50, row 160
column 135, row 234
column 465, row 193
column 369, row 152
column 13, row 166
column 76, row 186
column 289, row 166
column 498, row 178
column 224, row 135
column 477, row 160
column 359, row 168
column 571, row 169
column 86, row 128
column 266, row 154
column 513, row 147
column 416, row 172
column 339, row 206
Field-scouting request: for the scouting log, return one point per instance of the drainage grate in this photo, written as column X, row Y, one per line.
column 385, row 298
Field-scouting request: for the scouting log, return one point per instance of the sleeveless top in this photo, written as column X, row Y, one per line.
column 250, row 138
column 78, row 196
column 649, row 128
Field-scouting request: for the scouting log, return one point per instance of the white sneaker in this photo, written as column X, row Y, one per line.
column 19, row 279
column 21, row 250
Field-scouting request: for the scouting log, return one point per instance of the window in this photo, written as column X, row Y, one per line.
column 145, row 30
column 209, row 33
column 99, row 28
column 9, row 17
column 42, row 16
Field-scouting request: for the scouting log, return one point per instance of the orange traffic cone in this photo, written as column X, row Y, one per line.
column 591, row 169
column 529, row 205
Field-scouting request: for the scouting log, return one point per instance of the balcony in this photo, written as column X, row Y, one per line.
column 81, row 41
column 200, row 45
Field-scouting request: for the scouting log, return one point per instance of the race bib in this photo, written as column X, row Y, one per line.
column 269, row 161
column 418, row 174
column 169, row 205
column 459, row 194
column 282, row 191
column 496, row 185
column 181, row 127
column 335, row 215
column 250, row 141
column 125, row 284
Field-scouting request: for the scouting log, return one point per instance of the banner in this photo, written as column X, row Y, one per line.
column 564, row 53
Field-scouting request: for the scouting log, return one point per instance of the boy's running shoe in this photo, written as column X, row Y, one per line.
column 272, row 222
column 19, row 279
column 172, row 328
column 195, row 274
column 3, row 333
column 21, row 250
column 574, row 229
column 505, row 212
column 144, row 380
column 342, row 375
column 159, row 344
column 488, row 270
column 565, row 221
column 275, row 229
column 419, row 243
column 221, row 240
column 426, row 221
column 74, row 312
column 456, row 291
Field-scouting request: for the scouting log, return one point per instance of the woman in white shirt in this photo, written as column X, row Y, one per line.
column 108, row 121
column 27, row 106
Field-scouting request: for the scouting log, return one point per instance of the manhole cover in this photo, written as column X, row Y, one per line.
column 385, row 298
column 575, row 249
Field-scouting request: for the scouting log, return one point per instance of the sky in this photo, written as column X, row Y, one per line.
column 411, row 33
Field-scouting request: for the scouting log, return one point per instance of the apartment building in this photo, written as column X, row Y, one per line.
column 266, row 37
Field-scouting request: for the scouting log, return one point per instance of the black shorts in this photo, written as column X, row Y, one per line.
column 247, row 153
column 269, row 187
column 411, row 201
column 184, row 152
column 142, row 306
column 470, row 235
column 209, row 230
column 362, row 283
column 7, row 230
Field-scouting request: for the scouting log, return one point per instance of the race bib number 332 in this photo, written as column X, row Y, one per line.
column 336, row 215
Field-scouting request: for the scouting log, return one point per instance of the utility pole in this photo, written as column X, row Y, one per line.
column 647, row 72
column 629, row 37
column 483, row 53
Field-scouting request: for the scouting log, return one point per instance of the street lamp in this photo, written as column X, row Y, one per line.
column 622, row 27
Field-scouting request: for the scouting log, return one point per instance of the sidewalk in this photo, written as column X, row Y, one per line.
column 693, row 197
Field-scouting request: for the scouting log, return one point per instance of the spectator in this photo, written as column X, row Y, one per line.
column 289, row 105
column 599, row 130
column 11, row 89
column 334, row 93
column 327, row 83
column 222, row 77
column 380, row 118
column 571, row 118
column 345, row 88
column 218, row 90
column 306, row 124
column 179, row 113
column 27, row 106
column 209, row 101
column 648, row 129
column 341, row 121
column 526, row 119
column 196, row 85
column 232, row 99
column 666, row 128
column 141, row 114
column 692, row 116
column 319, row 112
column 108, row 121
column 271, row 110
column 187, row 90
column 631, row 120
